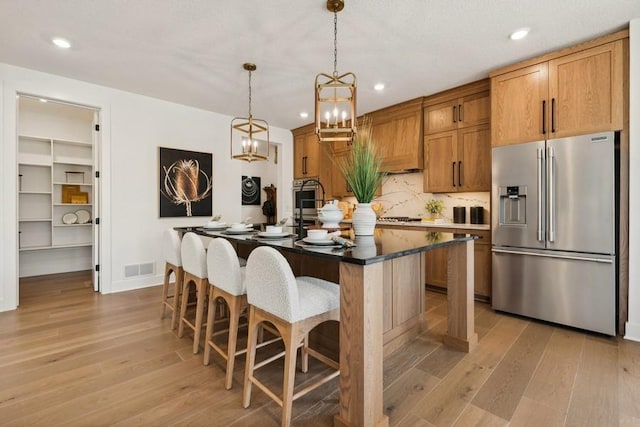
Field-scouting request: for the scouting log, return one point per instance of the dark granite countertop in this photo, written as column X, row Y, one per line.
column 385, row 244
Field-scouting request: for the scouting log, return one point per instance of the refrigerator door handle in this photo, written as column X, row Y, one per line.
column 548, row 255
column 540, row 166
column 551, row 194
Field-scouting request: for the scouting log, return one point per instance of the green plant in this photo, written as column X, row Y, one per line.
column 361, row 167
column 434, row 206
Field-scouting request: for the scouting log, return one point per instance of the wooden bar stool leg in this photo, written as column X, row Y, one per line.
column 234, row 320
column 165, row 289
column 201, row 296
column 291, row 352
column 183, row 305
column 252, row 341
column 304, row 352
column 211, row 312
column 177, row 286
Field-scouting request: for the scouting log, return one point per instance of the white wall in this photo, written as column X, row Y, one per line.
column 633, row 324
column 132, row 129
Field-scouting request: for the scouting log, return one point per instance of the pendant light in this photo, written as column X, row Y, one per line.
column 249, row 136
column 335, row 95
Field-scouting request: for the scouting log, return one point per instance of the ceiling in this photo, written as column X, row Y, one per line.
column 191, row 51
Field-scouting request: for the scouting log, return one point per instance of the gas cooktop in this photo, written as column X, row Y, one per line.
column 398, row 219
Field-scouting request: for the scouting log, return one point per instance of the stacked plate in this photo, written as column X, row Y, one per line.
column 215, row 225
column 248, row 228
column 270, row 235
column 325, row 241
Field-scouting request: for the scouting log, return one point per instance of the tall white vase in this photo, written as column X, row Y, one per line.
column 363, row 220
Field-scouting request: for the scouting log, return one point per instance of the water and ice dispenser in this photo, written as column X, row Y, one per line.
column 513, row 205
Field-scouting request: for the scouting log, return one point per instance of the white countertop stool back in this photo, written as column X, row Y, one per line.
column 194, row 264
column 294, row 305
column 173, row 265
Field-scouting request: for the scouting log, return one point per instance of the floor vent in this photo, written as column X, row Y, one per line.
column 144, row 269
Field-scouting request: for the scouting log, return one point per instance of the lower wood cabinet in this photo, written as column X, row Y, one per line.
column 436, row 263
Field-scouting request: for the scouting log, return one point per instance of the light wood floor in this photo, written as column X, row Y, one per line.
column 71, row 357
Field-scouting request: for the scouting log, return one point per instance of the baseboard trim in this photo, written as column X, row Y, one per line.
column 632, row 331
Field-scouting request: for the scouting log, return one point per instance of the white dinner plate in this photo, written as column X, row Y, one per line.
column 320, row 242
column 69, row 218
column 239, row 231
column 217, row 227
column 266, row 235
column 331, row 246
column 83, row 216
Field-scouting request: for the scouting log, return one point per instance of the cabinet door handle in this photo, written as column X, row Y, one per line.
column 454, row 114
column 544, row 116
column 460, row 115
column 553, row 115
column 453, row 173
column 304, row 165
column 460, row 173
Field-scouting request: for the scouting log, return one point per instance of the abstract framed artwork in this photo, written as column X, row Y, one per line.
column 251, row 190
column 186, row 179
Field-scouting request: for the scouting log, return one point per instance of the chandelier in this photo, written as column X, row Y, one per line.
column 335, row 95
column 247, row 140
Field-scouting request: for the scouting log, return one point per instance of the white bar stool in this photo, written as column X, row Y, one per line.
column 173, row 265
column 226, row 281
column 194, row 264
column 294, row 306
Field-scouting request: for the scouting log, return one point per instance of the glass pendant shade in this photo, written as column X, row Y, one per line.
column 249, row 136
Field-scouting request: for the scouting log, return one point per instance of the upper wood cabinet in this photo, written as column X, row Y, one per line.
column 458, row 160
column 457, row 140
column 457, row 113
column 339, row 187
column 397, row 131
column 572, row 92
column 310, row 158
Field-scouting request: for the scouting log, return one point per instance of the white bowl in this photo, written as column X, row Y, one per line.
column 238, row 226
column 273, row 229
column 317, row 234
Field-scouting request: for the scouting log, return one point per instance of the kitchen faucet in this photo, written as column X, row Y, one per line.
column 300, row 222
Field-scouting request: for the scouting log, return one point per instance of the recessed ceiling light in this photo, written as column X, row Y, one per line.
column 379, row 87
column 304, row 114
column 519, row 34
column 43, row 100
column 62, row 43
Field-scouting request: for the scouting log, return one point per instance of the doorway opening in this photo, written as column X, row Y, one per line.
column 58, row 190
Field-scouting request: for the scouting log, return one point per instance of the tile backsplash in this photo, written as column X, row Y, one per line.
column 402, row 196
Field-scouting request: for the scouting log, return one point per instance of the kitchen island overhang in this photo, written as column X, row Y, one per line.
column 387, row 266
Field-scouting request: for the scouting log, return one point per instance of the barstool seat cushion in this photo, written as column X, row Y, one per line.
column 316, row 296
column 275, row 290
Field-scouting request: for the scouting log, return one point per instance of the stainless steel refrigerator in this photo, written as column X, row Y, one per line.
column 554, row 230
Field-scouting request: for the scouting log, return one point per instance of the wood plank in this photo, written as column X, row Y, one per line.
column 474, row 416
column 629, row 379
column 449, row 399
column 405, row 393
column 532, row 413
column 553, row 381
column 596, row 381
column 504, row 388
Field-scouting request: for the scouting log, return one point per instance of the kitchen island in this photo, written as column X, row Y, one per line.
column 381, row 302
